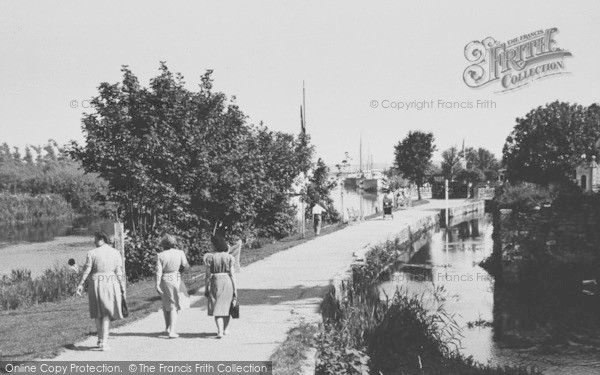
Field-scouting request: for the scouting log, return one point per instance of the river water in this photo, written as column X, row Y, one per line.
column 41, row 245
column 450, row 260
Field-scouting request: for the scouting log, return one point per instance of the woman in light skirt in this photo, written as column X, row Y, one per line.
column 169, row 283
column 220, row 288
column 104, row 265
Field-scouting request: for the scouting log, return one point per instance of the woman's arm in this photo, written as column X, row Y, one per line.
column 231, row 275
column 207, row 280
column 184, row 262
column 119, row 272
column 87, row 268
column 159, row 271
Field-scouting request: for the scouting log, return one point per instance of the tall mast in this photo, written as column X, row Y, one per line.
column 360, row 153
column 304, row 104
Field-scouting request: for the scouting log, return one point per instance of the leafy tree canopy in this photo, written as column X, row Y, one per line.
column 187, row 159
column 413, row 157
column 546, row 145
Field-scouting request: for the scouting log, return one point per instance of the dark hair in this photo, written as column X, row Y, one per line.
column 219, row 243
column 71, row 262
column 102, row 235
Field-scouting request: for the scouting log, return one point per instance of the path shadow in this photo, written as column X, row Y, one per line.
column 249, row 297
column 163, row 335
column 138, row 334
column 80, row 348
column 199, row 335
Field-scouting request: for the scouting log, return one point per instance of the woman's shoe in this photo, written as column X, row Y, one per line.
column 99, row 344
column 105, row 347
column 219, row 336
column 173, row 335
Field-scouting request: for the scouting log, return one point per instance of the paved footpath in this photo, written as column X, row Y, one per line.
column 275, row 294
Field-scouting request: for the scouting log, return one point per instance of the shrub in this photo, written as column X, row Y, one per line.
column 284, row 224
column 141, row 252
column 524, row 197
column 20, row 290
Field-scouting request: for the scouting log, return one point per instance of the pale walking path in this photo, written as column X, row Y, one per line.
column 275, row 294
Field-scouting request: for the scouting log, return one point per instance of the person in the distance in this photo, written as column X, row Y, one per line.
column 317, row 212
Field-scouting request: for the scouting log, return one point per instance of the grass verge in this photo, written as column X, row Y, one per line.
column 291, row 355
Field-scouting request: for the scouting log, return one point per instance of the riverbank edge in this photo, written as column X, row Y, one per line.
column 300, row 338
column 409, row 234
column 345, row 290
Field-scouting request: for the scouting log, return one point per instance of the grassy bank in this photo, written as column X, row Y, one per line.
column 395, row 336
column 15, row 208
column 43, row 330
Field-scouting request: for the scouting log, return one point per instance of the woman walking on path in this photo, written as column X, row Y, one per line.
column 104, row 266
column 220, row 288
column 169, row 283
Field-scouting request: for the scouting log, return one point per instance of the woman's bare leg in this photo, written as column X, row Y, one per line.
column 219, row 321
column 105, row 329
column 173, row 319
column 99, row 330
column 167, row 315
column 225, row 324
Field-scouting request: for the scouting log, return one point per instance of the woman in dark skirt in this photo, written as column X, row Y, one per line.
column 220, row 288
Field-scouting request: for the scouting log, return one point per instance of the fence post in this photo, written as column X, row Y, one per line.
column 120, row 246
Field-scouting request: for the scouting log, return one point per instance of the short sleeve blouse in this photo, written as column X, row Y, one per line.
column 219, row 262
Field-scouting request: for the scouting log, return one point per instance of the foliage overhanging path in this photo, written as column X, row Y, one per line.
column 274, row 294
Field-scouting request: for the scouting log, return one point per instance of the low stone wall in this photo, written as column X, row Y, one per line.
column 462, row 212
column 412, row 233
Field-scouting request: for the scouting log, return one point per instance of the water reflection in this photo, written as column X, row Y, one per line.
column 498, row 322
column 48, row 230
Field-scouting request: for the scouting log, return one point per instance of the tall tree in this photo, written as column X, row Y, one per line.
column 484, row 161
column 16, row 154
column 546, row 145
column 50, row 150
column 5, row 154
column 413, row 157
column 451, row 160
column 28, row 155
column 180, row 159
column 319, row 191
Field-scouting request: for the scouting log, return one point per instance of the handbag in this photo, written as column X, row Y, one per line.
column 234, row 309
column 124, row 309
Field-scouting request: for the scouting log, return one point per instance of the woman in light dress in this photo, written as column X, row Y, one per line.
column 220, row 287
column 104, row 265
column 169, row 283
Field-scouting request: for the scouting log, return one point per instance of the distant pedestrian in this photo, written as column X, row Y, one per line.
column 388, row 202
column 105, row 291
column 220, row 286
column 317, row 212
column 169, row 283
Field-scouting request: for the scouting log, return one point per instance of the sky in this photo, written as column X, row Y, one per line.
column 54, row 55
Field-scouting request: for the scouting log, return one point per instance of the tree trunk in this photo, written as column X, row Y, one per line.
column 418, row 192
